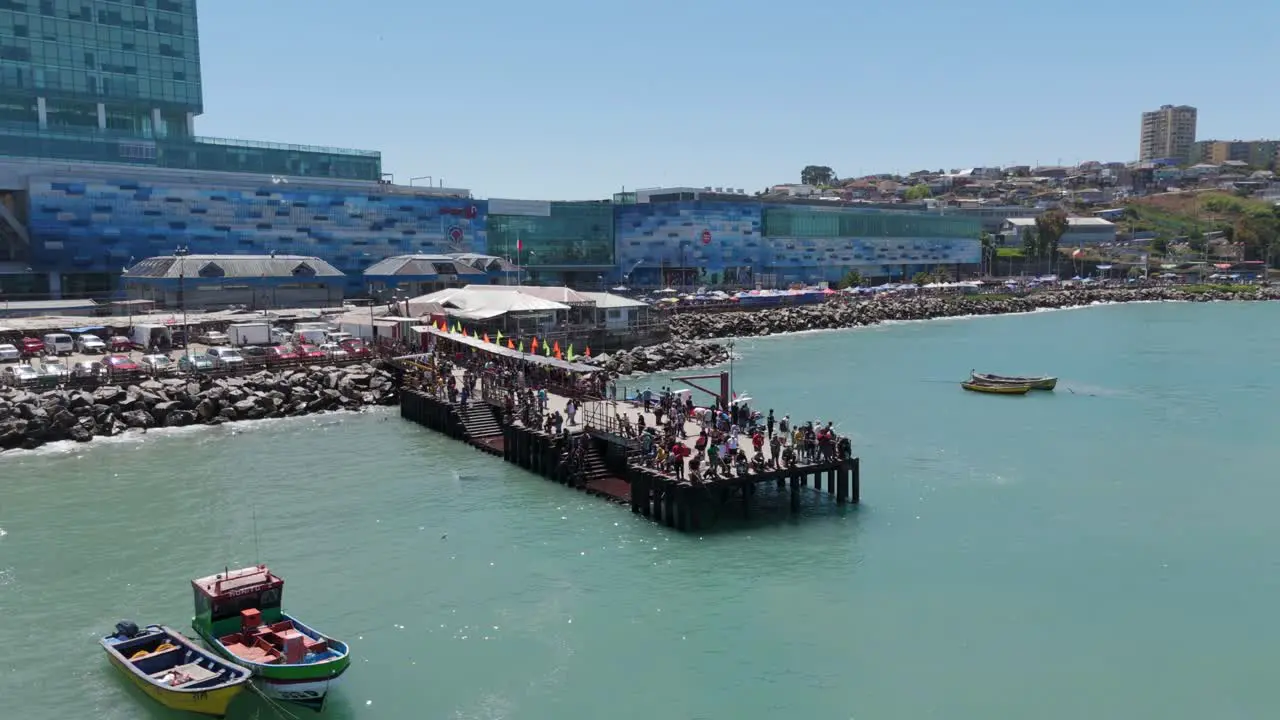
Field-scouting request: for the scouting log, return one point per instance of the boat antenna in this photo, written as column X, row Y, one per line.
column 257, row 552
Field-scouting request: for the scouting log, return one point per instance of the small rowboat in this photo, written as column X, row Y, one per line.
column 173, row 671
column 996, row 388
column 1035, row 383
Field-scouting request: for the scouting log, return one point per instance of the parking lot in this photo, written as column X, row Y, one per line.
column 249, row 365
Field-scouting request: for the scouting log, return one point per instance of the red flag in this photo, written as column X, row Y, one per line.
column 534, row 345
column 588, row 352
column 510, row 345
column 486, row 337
column 519, row 245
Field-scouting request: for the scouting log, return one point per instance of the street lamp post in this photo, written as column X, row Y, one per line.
column 182, row 253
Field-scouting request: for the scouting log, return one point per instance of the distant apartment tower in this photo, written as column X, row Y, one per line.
column 1168, row 132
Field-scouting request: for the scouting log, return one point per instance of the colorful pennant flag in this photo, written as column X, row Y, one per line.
column 588, row 352
column 546, row 349
column 558, row 355
column 521, row 346
column 510, row 345
column 533, row 347
column 570, row 353
column 486, row 337
column 498, row 339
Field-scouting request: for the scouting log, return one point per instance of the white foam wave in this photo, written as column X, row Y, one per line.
column 139, row 438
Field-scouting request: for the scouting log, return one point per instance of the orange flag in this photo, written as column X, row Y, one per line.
column 555, row 348
column 510, row 345
column 533, row 346
column 557, row 351
column 486, row 337
column 588, row 352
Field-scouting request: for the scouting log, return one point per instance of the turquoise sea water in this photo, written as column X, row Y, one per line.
column 1105, row 551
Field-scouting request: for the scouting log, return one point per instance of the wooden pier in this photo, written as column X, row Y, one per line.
column 610, row 470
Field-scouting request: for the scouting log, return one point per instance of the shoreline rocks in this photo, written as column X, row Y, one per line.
column 29, row 419
column 694, row 326
column 661, row 357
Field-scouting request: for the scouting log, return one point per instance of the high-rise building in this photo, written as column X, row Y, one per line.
column 1167, row 133
column 119, row 81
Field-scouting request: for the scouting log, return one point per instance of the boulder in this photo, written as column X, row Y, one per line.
column 137, row 419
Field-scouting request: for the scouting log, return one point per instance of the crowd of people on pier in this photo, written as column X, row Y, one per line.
column 718, row 450
column 732, row 440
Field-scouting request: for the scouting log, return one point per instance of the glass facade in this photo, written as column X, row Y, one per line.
column 809, row 222
column 119, row 81
column 709, row 242
column 124, row 53
column 96, row 227
column 573, row 235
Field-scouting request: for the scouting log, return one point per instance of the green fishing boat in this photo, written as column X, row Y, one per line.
column 239, row 615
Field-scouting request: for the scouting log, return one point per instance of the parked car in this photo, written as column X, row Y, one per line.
column 225, row 357
column 54, row 368
column 356, row 347
column 178, row 338
column 59, row 344
column 88, row 369
column 195, row 363
column 334, row 351
column 280, row 354
column 119, row 363
column 309, row 352
column 158, row 364
column 10, row 353
column 90, row 344
column 213, row 337
column 339, row 337
column 21, row 374
column 280, row 335
column 31, row 347
column 119, row 344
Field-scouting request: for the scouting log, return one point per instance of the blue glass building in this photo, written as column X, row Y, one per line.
column 746, row 242
column 88, row 227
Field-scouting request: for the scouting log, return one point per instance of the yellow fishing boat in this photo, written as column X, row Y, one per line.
column 174, row 671
column 995, row 388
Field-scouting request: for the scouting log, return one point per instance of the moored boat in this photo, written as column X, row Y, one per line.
column 239, row 614
column 174, row 671
column 1035, row 383
column 996, row 388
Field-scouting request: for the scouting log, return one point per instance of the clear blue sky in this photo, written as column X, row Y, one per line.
column 571, row 99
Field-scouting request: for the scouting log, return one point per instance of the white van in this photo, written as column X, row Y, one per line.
column 59, row 344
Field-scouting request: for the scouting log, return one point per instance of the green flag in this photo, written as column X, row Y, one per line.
column 570, row 355
column 546, row 349
column 521, row 346
column 499, row 338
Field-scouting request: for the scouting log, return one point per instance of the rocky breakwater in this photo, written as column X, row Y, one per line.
column 855, row 313
column 661, row 357
column 30, row 419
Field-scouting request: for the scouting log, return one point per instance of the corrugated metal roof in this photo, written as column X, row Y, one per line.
column 232, row 266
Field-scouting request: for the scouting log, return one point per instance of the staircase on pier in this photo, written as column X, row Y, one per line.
column 482, row 427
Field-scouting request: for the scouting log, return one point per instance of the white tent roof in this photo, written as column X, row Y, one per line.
column 604, row 300
column 554, row 294
column 477, row 302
